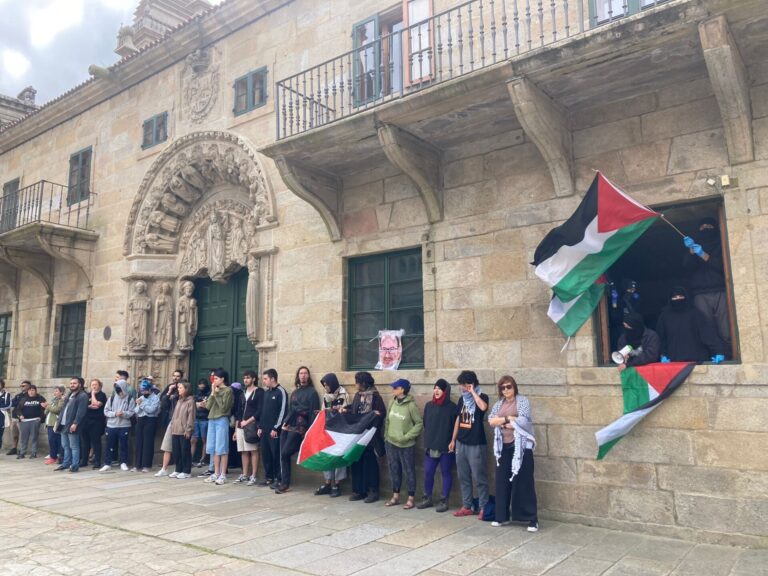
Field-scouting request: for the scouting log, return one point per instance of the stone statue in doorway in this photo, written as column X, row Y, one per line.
column 163, row 326
column 216, row 248
column 186, row 316
column 138, row 318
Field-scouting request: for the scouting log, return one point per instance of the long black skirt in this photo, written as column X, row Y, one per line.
column 519, row 494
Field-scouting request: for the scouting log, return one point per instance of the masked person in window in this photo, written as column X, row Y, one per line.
column 686, row 334
column 704, row 264
column 644, row 342
column 622, row 303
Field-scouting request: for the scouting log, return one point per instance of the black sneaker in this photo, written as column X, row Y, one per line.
column 335, row 492
column 265, row 483
column 533, row 526
column 204, row 474
column 11, row 452
column 33, row 455
column 355, row 497
column 372, row 497
column 426, row 502
column 323, row 490
column 20, row 457
column 442, row 506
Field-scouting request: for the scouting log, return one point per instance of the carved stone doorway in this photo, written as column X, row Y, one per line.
column 222, row 338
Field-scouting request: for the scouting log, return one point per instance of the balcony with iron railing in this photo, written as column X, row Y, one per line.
column 42, row 223
column 44, row 202
column 463, row 39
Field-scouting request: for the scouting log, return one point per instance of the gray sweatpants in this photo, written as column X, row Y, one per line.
column 471, row 464
column 29, row 429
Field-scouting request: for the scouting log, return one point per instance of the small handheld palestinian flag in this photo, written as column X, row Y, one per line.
column 336, row 440
column 573, row 255
column 644, row 389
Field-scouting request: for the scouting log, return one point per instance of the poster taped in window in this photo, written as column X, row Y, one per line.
column 390, row 349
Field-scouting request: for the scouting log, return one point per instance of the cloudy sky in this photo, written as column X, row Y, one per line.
column 49, row 44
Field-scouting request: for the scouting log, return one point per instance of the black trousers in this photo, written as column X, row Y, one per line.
column 270, row 455
column 145, row 441
column 518, row 494
column 91, row 432
column 365, row 472
column 182, row 453
column 290, row 442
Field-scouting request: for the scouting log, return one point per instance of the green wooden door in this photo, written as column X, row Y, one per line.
column 221, row 339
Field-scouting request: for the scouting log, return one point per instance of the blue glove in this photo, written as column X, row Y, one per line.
column 664, row 360
column 717, row 359
column 688, row 241
column 698, row 250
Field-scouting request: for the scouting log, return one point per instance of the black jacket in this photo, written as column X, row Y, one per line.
column 650, row 349
column 274, row 408
column 302, row 407
column 688, row 335
column 78, row 404
column 250, row 407
column 96, row 414
column 438, row 425
column 15, row 404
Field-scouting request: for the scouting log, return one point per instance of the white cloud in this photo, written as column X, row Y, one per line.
column 14, row 63
column 54, row 17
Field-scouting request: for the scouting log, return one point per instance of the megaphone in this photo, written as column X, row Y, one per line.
column 620, row 356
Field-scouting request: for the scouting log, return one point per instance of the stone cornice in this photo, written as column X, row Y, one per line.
column 199, row 32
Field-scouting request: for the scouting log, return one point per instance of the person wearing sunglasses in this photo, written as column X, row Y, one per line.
column 513, row 444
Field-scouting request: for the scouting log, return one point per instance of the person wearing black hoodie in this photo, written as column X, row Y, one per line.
column 273, row 410
column 686, row 334
column 704, row 263
column 439, row 420
column 31, row 413
column 365, row 472
column 644, row 341
column 302, row 409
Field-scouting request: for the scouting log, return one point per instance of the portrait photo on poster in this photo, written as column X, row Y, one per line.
column 390, row 349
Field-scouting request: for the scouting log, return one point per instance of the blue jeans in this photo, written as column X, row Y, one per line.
column 54, row 443
column 116, row 436
column 71, row 445
column 217, row 442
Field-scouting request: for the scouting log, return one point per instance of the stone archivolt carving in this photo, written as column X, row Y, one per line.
column 178, row 180
column 200, row 83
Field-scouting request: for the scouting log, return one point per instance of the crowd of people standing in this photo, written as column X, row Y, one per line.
column 260, row 423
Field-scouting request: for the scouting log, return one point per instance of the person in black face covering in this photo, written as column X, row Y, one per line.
column 644, row 341
column 686, row 334
column 704, row 263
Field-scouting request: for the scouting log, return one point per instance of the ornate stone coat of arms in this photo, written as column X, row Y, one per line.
column 200, row 83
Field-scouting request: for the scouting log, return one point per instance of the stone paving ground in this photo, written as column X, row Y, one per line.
column 122, row 523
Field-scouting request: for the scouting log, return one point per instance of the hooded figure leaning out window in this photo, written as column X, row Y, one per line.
column 645, row 342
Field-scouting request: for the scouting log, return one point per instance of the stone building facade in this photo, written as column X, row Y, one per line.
column 320, row 175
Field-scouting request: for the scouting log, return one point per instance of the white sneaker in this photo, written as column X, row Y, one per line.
column 180, row 475
column 221, row 479
column 105, row 468
column 242, row 478
column 172, row 475
column 161, row 472
column 211, row 479
column 133, row 469
column 496, row 524
column 124, row 467
column 252, row 481
column 533, row 526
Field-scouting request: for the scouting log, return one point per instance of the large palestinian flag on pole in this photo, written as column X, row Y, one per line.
column 644, row 389
column 336, row 440
column 573, row 255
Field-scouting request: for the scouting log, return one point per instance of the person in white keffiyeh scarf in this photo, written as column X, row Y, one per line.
column 513, row 446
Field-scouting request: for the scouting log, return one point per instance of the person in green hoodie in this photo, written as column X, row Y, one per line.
column 219, row 406
column 401, row 429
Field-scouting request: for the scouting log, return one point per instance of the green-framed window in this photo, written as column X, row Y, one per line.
column 250, row 91
column 5, row 343
column 602, row 11
column 367, row 65
column 69, row 357
column 79, row 176
column 385, row 292
column 154, row 130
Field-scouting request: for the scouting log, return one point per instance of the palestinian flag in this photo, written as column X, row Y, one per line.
column 644, row 389
column 573, row 255
column 336, row 440
column 570, row 316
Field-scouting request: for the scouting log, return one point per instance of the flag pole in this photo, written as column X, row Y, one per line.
column 664, row 218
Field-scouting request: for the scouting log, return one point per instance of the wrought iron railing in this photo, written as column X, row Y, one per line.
column 457, row 41
column 45, row 201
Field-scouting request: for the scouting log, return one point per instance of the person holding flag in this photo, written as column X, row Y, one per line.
column 644, row 344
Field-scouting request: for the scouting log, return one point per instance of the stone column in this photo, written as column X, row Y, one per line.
column 252, row 300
